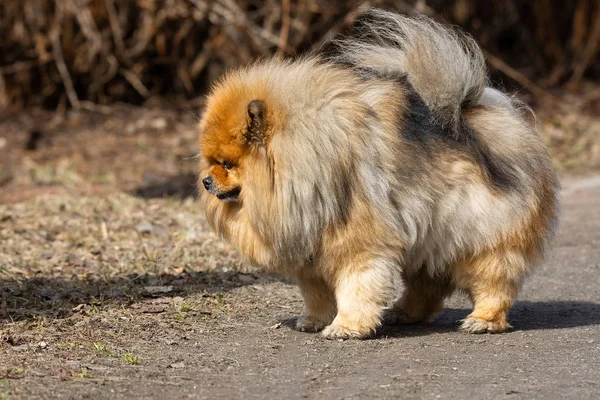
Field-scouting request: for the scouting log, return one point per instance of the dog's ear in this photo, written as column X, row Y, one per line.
column 257, row 123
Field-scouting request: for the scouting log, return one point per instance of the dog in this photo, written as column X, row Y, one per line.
column 383, row 165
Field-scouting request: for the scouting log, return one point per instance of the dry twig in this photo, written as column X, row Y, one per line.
column 67, row 51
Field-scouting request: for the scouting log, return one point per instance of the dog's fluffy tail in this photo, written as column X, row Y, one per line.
column 446, row 67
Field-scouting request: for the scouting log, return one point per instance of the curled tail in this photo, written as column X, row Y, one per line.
column 446, row 67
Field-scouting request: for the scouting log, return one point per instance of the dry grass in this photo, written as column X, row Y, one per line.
column 60, row 252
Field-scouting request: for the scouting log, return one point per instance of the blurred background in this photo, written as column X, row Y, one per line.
column 103, row 95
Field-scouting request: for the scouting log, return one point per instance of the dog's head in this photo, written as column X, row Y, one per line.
column 234, row 126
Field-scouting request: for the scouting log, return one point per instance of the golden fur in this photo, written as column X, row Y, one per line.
column 351, row 174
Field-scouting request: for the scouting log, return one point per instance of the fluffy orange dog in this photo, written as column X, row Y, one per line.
column 384, row 164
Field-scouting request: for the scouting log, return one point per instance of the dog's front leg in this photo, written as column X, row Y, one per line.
column 362, row 292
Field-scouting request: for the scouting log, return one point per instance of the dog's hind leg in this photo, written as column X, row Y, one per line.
column 492, row 280
column 422, row 300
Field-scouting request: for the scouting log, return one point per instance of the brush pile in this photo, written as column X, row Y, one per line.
column 85, row 53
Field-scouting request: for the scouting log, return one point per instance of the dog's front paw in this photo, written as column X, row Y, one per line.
column 335, row 331
column 478, row 325
column 309, row 324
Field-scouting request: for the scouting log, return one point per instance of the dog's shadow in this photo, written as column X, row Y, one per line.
column 525, row 316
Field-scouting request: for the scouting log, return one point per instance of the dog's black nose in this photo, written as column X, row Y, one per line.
column 207, row 182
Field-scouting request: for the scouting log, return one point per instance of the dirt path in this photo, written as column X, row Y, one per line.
column 225, row 334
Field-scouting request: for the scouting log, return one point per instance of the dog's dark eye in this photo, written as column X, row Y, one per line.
column 227, row 165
